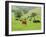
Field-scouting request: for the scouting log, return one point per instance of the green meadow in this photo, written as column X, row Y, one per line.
column 26, row 13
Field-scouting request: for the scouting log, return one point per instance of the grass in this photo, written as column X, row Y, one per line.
column 17, row 25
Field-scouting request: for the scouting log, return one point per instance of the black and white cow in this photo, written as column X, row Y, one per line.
column 36, row 21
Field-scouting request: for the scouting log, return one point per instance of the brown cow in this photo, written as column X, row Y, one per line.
column 24, row 21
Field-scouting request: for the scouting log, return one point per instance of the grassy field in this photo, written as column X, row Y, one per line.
column 18, row 26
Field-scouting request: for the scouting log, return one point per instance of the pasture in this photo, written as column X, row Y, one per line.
column 30, row 25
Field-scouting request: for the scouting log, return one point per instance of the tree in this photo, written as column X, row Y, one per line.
column 25, row 11
column 33, row 15
column 18, row 13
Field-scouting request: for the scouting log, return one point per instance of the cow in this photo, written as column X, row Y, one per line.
column 16, row 19
column 36, row 21
column 24, row 21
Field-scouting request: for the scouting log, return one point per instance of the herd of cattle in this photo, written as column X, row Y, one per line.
column 24, row 21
